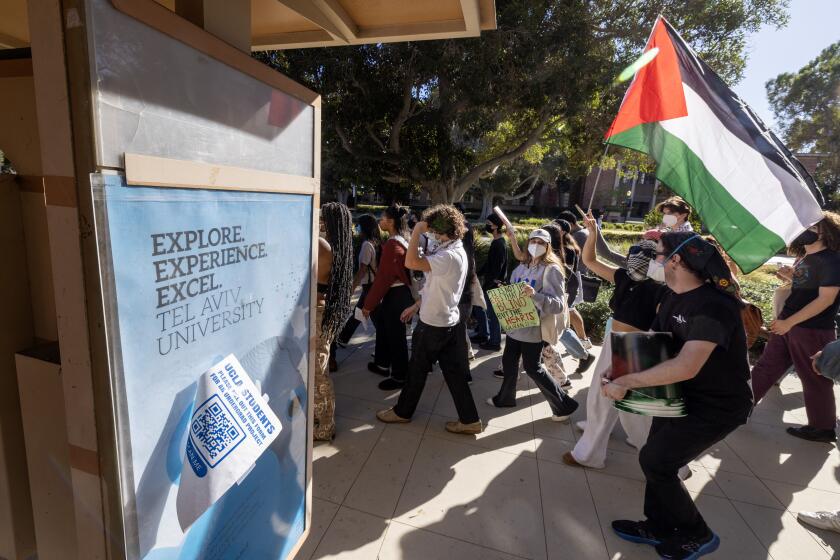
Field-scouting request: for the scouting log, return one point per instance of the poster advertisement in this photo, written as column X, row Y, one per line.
column 514, row 309
column 206, row 296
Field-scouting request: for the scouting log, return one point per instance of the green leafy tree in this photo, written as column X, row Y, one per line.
column 807, row 107
column 444, row 115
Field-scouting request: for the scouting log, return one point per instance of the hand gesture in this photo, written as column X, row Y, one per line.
column 590, row 223
column 528, row 290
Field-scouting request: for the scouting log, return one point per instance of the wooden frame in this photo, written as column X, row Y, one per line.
column 152, row 171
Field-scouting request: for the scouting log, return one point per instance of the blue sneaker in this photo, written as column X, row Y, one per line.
column 640, row 532
column 681, row 547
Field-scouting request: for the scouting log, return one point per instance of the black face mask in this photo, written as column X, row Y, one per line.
column 807, row 237
column 488, row 228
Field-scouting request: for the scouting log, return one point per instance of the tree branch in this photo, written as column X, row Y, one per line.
column 469, row 179
column 345, row 143
column 533, row 178
column 402, row 116
column 372, row 134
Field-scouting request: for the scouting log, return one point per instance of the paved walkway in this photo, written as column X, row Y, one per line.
column 413, row 491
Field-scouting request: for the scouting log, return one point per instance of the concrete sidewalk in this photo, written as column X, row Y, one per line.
column 414, row 491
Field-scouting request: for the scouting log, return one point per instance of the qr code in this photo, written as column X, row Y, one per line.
column 214, row 431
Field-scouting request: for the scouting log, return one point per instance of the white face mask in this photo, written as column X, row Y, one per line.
column 656, row 271
column 669, row 220
column 536, row 250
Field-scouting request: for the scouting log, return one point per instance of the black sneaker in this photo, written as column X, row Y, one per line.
column 391, row 384
column 478, row 339
column 491, row 347
column 636, row 531
column 679, row 547
column 378, row 370
column 813, row 434
column 584, row 364
column 498, row 374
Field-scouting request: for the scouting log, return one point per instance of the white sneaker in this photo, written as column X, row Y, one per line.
column 587, row 344
column 490, row 402
column 560, row 418
column 581, row 425
column 829, row 520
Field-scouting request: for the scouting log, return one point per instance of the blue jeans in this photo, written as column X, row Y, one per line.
column 573, row 344
column 488, row 323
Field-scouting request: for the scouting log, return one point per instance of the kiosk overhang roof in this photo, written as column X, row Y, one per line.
column 288, row 24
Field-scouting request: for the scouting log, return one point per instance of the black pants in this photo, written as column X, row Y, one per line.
column 561, row 403
column 391, row 345
column 352, row 323
column 448, row 346
column 672, row 443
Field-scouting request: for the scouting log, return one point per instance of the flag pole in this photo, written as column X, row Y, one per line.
column 597, row 177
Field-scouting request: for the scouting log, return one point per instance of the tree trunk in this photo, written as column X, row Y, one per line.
column 438, row 193
column 487, row 197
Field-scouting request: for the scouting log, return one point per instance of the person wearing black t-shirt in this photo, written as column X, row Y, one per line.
column 805, row 325
column 492, row 274
column 704, row 316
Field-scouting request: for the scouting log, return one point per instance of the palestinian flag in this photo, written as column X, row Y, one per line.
column 710, row 148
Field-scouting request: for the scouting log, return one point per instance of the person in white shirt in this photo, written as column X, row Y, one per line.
column 675, row 214
column 440, row 336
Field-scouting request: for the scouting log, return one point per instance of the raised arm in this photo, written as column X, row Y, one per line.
column 518, row 253
column 413, row 260
column 591, row 262
column 603, row 250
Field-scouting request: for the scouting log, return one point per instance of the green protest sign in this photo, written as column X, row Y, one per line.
column 514, row 309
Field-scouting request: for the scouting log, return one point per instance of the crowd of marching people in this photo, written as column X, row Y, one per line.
column 674, row 280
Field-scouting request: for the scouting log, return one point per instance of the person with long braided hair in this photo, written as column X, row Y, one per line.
column 335, row 281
